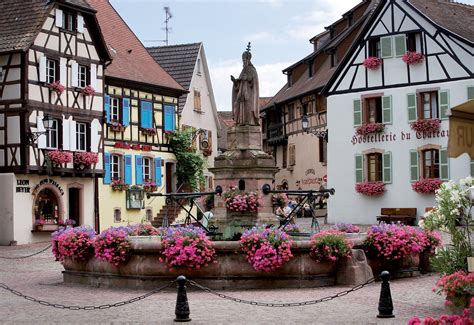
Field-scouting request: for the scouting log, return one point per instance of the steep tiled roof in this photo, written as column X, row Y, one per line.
column 263, row 101
column 179, row 61
column 453, row 16
column 226, row 118
column 130, row 59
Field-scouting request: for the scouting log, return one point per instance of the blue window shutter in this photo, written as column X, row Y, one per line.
column 158, row 171
column 169, row 118
column 126, row 111
column 107, row 108
column 107, row 175
column 128, row 169
column 146, row 115
column 138, row 170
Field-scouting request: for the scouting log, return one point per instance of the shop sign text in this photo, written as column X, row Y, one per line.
column 23, row 186
column 48, row 181
column 403, row 136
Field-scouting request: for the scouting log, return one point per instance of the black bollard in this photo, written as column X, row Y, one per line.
column 182, row 308
column 385, row 301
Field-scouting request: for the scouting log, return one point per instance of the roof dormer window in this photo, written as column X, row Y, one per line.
column 69, row 21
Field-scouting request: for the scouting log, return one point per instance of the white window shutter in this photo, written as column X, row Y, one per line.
column 42, row 69
column 72, row 138
column 80, row 24
column 59, row 18
column 40, row 128
column 66, row 133
column 93, row 75
column 74, row 74
column 95, row 137
column 63, row 71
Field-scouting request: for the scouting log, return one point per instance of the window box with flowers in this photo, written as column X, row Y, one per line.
column 426, row 185
column 372, row 63
column 150, row 187
column 56, row 87
column 46, row 224
column 117, row 126
column 238, row 201
column 118, row 185
column 426, row 126
column 83, row 160
column 148, row 131
column 58, row 157
column 369, row 128
column 88, row 91
column 413, row 57
column 370, row 188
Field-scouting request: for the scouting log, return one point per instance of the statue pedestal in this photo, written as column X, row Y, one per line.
column 243, row 162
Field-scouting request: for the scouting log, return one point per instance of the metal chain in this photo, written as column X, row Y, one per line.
column 21, row 257
column 287, row 304
column 106, row 306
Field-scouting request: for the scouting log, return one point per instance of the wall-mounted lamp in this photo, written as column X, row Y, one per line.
column 313, row 130
column 47, row 123
column 204, row 144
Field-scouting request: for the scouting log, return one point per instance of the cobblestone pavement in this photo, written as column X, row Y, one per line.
column 41, row 277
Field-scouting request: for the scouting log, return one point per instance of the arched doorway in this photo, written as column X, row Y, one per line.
column 47, row 207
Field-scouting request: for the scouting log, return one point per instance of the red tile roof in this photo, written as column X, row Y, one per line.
column 130, row 59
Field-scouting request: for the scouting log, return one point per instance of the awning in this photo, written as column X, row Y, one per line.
column 461, row 130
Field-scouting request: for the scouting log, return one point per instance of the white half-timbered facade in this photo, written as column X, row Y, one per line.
column 398, row 93
column 53, row 66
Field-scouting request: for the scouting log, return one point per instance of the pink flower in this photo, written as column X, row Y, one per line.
column 372, row 62
column 86, row 158
column 426, row 185
column 59, row 157
column 57, row 87
column 413, row 57
column 369, row 128
column 370, row 188
column 88, row 90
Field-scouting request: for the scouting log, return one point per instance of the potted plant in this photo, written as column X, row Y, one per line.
column 238, row 201
column 58, row 157
column 57, row 87
column 458, row 288
column 117, row 126
column 118, row 185
column 372, row 63
column 369, row 128
column 330, row 245
column 149, row 186
column 426, row 185
column 148, row 131
column 426, row 125
column 370, row 188
column 88, row 91
column 74, row 243
column 112, row 245
column 84, row 160
column 413, row 57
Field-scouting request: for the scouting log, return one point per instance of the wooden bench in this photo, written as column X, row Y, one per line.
column 404, row 215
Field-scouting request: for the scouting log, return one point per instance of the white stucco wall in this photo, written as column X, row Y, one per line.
column 349, row 206
column 6, row 208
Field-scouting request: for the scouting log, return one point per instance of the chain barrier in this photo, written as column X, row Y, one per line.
column 22, row 257
column 106, row 306
column 287, row 304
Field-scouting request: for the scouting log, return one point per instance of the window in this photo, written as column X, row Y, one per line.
column 81, row 136
column 284, row 156
column 51, row 70
column 373, row 110
column 291, row 112
column 83, row 76
column 197, row 100
column 147, row 169
column 70, row 21
column 374, row 167
column 374, row 47
column 429, row 105
column 52, row 135
column 117, row 215
column 323, row 151
column 149, row 214
column 116, row 167
column 430, row 163
column 414, row 42
column 292, row 154
column 115, row 109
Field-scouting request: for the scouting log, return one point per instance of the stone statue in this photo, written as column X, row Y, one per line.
column 245, row 108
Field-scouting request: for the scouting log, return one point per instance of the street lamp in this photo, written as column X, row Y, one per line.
column 313, row 130
column 47, row 123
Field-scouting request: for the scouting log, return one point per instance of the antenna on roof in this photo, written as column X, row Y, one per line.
column 167, row 29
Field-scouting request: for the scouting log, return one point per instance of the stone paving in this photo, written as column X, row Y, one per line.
column 40, row 276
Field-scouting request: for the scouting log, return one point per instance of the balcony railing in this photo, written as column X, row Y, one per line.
column 276, row 134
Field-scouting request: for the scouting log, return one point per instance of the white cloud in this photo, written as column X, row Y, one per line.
column 271, row 79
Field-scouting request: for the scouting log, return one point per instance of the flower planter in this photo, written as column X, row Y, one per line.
column 117, row 128
column 369, row 128
column 426, row 125
column 413, row 58
column 425, row 264
column 88, row 91
column 370, row 188
column 119, row 188
column 149, row 188
column 372, row 63
column 148, row 131
column 402, row 268
column 426, row 185
column 47, row 227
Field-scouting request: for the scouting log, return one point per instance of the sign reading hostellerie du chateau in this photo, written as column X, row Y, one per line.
column 402, row 136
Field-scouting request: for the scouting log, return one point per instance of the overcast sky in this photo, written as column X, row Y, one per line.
column 278, row 29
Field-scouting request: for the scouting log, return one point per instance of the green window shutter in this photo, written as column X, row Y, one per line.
column 357, row 113
column 443, row 164
column 400, row 45
column 387, row 167
column 387, row 109
column 472, row 168
column 414, row 165
column 386, row 46
column 443, row 104
column 359, row 168
column 411, row 104
column 470, row 92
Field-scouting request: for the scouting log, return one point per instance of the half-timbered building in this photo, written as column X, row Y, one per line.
column 52, row 59
column 300, row 155
column 140, row 107
column 388, row 108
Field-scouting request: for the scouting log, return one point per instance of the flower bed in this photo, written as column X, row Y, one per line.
column 74, row 243
column 57, row 87
column 266, row 249
column 372, row 63
column 118, row 185
column 112, row 245
column 330, row 245
column 280, row 200
column 238, row 201
column 88, row 91
column 370, row 188
column 186, row 247
column 59, row 157
column 85, row 159
column 458, row 288
column 346, row 228
column 426, row 125
column 426, row 185
column 148, row 131
column 413, row 57
column 149, row 187
column 369, row 128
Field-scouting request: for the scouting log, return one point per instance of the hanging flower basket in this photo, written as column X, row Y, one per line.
column 369, row 128
column 118, row 185
column 117, row 127
column 413, row 58
column 372, row 63
column 426, row 125
column 57, row 87
column 149, row 187
column 370, row 188
column 148, row 131
column 426, row 185
column 59, row 157
column 85, row 159
column 88, row 91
